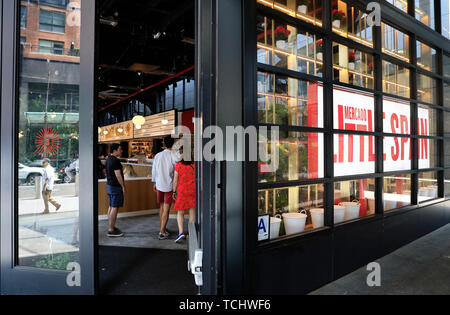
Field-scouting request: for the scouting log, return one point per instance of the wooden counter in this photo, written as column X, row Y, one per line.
column 140, row 196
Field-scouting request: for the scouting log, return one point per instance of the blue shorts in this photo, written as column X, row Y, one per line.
column 115, row 196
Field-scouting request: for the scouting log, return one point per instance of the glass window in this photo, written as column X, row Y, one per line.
column 23, row 16
column 396, row 192
column 427, row 121
column 447, row 152
column 397, row 154
column 48, row 127
column 284, row 46
column 352, row 66
column 426, row 57
column 292, row 210
column 446, row 61
column 396, row 116
column 52, row 21
column 447, row 183
column 190, row 94
column 169, row 97
column 446, row 94
column 51, row 47
column 353, row 110
column 306, row 10
column 446, row 124
column 428, row 153
column 425, row 12
column 445, row 9
column 287, row 101
column 394, row 42
column 293, row 156
column 396, row 79
column 426, row 89
column 354, row 199
column 400, row 4
column 428, row 186
column 179, row 95
column 349, row 21
column 353, row 154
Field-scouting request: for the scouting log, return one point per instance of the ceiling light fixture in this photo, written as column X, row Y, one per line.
column 109, row 21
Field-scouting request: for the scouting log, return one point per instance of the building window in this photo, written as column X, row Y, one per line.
column 52, row 21
column 179, row 98
column 55, row 3
column 425, row 12
column 446, row 94
column 306, row 10
column 284, row 46
column 446, row 68
column 169, row 97
column 189, row 94
column 426, row 89
column 396, row 79
column 288, row 101
column 395, row 43
column 445, row 18
column 428, row 186
column 349, row 21
column 23, row 16
column 354, row 199
column 352, row 66
column 396, row 191
column 400, row 4
column 51, row 47
column 426, row 57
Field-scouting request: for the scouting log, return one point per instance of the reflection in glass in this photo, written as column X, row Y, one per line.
column 397, row 192
column 446, row 94
column 306, row 10
column 294, row 156
column 285, row 46
column 428, row 186
column 396, row 79
column 426, row 89
column 48, row 109
column 425, row 12
column 395, row 43
column 357, row 196
column 400, row 4
column 284, row 204
column 352, row 66
column 445, row 13
column 446, row 62
column 426, row 57
column 349, row 21
column 288, row 101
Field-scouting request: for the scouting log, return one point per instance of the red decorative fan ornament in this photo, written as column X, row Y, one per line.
column 48, row 142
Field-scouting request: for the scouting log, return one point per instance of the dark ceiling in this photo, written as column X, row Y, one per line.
column 152, row 40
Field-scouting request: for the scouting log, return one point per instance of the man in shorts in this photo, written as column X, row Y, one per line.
column 162, row 177
column 115, row 188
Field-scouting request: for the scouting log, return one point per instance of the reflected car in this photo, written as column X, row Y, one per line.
column 28, row 174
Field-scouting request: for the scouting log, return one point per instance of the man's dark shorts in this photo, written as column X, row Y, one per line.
column 115, row 196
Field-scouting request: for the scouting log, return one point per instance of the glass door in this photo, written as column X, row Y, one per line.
column 47, row 153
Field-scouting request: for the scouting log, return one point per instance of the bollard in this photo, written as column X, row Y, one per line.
column 77, row 185
column 37, row 185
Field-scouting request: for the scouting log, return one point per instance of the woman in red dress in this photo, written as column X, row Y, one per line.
column 184, row 194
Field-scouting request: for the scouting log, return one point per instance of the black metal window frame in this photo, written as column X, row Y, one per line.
column 328, row 130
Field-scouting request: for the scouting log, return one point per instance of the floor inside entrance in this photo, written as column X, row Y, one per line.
column 139, row 263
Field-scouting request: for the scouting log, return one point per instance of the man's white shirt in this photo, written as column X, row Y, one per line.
column 49, row 173
column 163, row 170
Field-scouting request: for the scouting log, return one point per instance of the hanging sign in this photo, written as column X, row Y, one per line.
column 263, row 228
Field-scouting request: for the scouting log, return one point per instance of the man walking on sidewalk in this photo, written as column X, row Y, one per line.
column 48, row 182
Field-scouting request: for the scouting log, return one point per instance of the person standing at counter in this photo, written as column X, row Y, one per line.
column 162, row 176
column 115, row 188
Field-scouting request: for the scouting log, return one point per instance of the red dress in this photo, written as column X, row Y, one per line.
column 186, row 186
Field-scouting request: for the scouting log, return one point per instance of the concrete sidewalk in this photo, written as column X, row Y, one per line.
column 421, row 267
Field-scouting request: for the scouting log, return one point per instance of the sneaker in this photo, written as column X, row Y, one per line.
column 180, row 238
column 115, row 233
column 162, row 237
